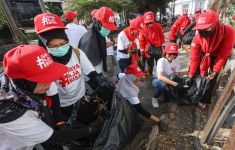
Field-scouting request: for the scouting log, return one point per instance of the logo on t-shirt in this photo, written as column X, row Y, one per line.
column 72, row 75
column 173, row 69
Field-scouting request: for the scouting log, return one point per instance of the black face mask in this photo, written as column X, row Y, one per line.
column 205, row 33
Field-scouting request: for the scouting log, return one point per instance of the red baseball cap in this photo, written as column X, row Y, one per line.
column 93, row 12
column 198, row 10
column 149, row 17
column 135, row 70
column 32, row 63
column 137, row 23
column 206, row 20
column 171, row 48
column 46, row 22
column 106, row 16
column 69, row 15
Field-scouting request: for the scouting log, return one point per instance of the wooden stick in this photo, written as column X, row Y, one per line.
column 218, row 107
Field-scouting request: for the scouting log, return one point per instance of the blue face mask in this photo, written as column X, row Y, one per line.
column 104, row 32
column 59, row 51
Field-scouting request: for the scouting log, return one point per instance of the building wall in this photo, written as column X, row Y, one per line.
column 188, row 5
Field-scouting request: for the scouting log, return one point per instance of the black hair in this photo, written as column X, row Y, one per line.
column 24, row 84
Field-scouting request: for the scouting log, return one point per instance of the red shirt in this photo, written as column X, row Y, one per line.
column 180, row 24
column 219, row 44
column 152, row 36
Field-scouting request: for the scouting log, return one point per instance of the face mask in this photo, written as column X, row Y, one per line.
column 205, row 33
column 104, row 32
column 59, row 51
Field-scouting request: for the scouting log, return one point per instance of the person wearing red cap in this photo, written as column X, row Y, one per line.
column 93, row 42
column 151, row 40
column 74, row 31
column 128, row 49
column 70, row 88
column 178, row 27
column 166, row 67
column 128, row 87
column 210, row 49
column 188, row 32
column 28, row 73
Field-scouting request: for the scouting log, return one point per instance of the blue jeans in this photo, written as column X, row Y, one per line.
column 159, row 86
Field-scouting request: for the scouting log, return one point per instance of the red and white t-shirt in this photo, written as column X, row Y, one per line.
column 71, row 87
column 168, row 68
column 122, row 44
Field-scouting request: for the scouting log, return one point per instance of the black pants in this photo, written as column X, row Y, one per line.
column 150, row 62
column 123, row 63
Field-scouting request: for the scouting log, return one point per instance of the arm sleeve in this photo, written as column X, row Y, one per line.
column 160, row 66
column 224, row 50
column 142, row 111
column 174, row 30
column 120, row 42
column 194, row 56
column 93, row 82
column 56, row 110
column 162, row 37
column 143, row 42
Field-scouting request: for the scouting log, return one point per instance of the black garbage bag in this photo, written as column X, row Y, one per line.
column 188, row 94
column 198, row 89
column 122, row 126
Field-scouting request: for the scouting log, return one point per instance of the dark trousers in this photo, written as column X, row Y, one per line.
column 150, row 62
column 123, row 63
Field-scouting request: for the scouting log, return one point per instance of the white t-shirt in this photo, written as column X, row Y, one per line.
column 24, row 132
column 74, row 33
column 71, row 87
column 123, row 43
column 167, row 68
column 133, row 100
column 110, row 48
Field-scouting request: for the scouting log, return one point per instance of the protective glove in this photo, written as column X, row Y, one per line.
column 162, row 126
column 178, row 86
column 62, row 126
column 188, row 81
column 94, row 131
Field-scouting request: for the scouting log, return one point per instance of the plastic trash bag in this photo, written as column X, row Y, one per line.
column 191, row 93
column 122, row 126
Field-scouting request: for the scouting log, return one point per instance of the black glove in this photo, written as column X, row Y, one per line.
column 178, row 86
column 188, row 81
column 62, row 126
column 94, row 131
column 162, row 126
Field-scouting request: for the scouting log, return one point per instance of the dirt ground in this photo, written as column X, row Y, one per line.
column 180, row 121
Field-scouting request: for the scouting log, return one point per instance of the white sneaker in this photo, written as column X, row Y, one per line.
column 155, row 102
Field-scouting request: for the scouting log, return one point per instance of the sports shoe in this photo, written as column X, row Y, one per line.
column 155, row 102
